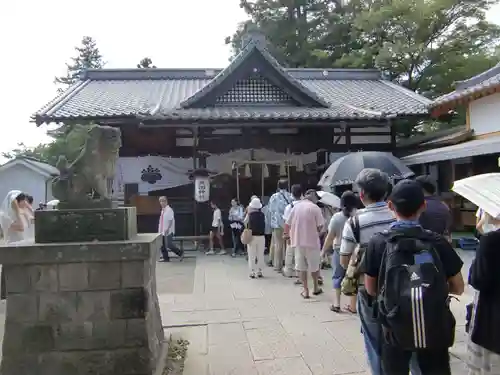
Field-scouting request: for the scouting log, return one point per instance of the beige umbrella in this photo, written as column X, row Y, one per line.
column 483, row 190
column 329, row 199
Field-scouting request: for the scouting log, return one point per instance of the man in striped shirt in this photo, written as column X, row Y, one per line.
column 374, row 218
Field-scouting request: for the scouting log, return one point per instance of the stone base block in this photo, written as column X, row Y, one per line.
column 85, row 225
column 87, row 308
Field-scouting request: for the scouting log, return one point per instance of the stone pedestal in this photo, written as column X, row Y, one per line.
column 81, row 225
column 82, row 308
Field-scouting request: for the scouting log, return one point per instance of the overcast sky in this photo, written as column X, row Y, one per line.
column 38, row 37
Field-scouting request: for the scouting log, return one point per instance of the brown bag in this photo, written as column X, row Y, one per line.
column 246, row 235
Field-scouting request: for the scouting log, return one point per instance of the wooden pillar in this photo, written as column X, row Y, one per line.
column 195, row 166
column 348, row 137
column 392, row 128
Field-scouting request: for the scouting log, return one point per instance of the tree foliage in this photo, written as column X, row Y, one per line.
column 425, row 45
column 67, row 139
column 146, row 63
column 68, row 143
column 87, row 57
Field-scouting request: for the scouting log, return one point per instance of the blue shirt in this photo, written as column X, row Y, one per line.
column 277, row 205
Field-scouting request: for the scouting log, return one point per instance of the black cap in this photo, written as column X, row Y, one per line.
column 407, row 197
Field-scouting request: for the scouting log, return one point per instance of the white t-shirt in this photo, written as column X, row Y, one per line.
column 288, row 209
column 168, row 218
column 217, row 218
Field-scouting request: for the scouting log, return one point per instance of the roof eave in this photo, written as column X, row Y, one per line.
column 439, row 107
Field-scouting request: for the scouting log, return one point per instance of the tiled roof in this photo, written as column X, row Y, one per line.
column 437, row 138
column 462, row 150
column 176, row 94
column 484, row 81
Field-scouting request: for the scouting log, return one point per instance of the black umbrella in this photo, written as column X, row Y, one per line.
column 345, row 169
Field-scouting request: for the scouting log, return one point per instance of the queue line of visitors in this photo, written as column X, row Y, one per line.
column 405, row 269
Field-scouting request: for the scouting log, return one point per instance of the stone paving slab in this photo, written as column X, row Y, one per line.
column 237, row 325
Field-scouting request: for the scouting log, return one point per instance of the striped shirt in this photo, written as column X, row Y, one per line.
column 374, row 218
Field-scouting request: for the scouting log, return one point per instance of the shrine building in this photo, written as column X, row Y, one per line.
column 248, row 124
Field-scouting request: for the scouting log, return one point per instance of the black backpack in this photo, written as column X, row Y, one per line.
column 413, row 301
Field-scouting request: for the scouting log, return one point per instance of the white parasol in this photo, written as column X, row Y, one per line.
column 329, row 199
column 483, row 190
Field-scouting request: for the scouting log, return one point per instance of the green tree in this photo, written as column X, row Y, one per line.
column 68, row 144
column 87, row 57
column 425, row 45
column 294, row 28
column 146, row 63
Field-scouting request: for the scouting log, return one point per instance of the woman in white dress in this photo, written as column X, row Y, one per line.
column 13, row 217
column 13, row 222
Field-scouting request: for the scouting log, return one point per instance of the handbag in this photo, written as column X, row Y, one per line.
column 246, row 235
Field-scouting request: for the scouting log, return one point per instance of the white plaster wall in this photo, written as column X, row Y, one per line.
column 485, row 114
column 19, row 177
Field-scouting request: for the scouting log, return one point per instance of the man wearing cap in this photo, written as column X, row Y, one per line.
column 407, row 201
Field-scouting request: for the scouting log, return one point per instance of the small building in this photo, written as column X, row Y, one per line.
column 472, row 149
column 30, row 176
column 249, row 123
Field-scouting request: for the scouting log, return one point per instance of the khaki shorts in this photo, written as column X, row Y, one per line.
column 307, row 259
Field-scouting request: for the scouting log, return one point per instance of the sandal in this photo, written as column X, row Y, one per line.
column 335, row 309
column 348, row 309
column 304, row 295
column 318, row 292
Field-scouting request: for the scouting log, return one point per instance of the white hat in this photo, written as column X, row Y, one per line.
column 255, row 204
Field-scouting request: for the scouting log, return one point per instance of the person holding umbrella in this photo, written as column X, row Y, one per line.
column 345, row 169
column 484, row 345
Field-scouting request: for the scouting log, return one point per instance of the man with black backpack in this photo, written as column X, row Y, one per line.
column 375, row 217
column 410, row 272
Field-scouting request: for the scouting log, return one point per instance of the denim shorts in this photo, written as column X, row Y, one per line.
column 338, row 270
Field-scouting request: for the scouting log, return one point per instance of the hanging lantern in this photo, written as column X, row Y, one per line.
column 283, row 169
column 300, row 165
column 201, row 185
column 265, row 171
column 248, row 172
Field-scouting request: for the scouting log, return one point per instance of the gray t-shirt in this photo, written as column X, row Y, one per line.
column 374, row 218
column 336, row 227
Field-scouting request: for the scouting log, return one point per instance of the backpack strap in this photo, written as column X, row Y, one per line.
column 356, row 230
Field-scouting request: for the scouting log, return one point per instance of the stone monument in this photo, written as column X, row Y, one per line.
column 82, row 299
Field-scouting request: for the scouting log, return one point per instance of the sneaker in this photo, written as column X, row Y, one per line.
column 252, row 275
column 222, row 252
column 259, row 274
column 210, row 252
column 233, row 255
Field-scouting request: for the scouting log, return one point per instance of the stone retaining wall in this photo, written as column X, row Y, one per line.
column 82, row 308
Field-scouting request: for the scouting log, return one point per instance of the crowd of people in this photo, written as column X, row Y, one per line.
column 390, row 249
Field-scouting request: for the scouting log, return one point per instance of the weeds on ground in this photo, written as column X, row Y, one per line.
column 176, row 356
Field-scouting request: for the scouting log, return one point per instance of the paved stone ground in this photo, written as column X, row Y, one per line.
column 236, row 325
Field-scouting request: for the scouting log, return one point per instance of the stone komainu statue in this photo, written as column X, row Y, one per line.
column 92, row 171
